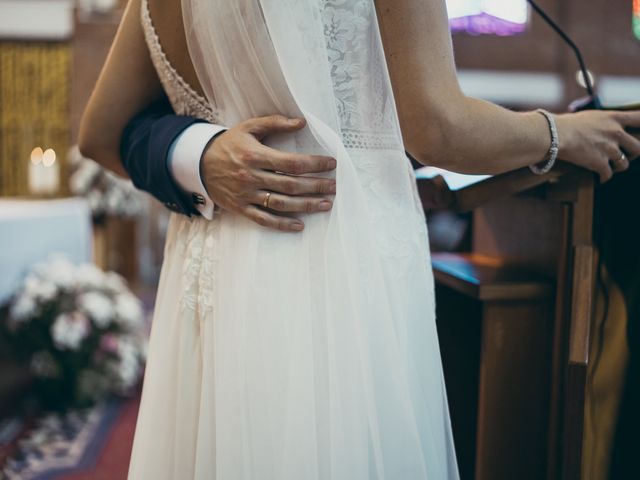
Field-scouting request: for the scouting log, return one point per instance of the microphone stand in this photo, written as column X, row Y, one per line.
column 591, row 101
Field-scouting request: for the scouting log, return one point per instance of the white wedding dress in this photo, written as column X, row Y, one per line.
column 310, row 356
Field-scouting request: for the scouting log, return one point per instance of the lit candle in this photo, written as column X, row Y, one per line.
column 44, row 172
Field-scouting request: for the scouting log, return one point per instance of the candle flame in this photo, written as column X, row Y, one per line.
column 36, row 155
column 49, row 157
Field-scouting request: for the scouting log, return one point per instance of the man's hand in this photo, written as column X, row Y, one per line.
column 238, row 172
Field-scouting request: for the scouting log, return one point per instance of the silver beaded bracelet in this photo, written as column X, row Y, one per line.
column 552, row 154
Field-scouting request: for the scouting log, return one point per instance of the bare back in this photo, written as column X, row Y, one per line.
column 168, row 23
column 172, row 62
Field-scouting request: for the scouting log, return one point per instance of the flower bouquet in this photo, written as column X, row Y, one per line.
column 106, row 193
column 81, row 331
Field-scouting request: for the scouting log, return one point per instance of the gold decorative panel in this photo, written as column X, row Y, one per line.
column 34, row 108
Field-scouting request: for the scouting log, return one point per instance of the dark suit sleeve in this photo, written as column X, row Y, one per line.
column 144, row 148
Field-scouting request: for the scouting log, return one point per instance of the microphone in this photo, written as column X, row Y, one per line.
column 592, row 102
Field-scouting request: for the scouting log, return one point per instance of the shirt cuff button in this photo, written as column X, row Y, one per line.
column 198, row 199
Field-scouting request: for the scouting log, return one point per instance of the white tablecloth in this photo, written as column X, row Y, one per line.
column 31, row 230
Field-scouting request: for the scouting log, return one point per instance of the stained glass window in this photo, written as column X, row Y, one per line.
column 636, row 18
column 489, row 17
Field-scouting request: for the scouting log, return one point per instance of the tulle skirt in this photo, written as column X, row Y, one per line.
column 310, row 356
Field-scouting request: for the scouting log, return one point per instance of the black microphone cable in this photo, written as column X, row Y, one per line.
column 567, row 39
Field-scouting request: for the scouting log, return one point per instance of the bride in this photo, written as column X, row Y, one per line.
column 310, row 354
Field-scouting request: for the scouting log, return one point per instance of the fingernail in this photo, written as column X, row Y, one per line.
column 324, row 206
column 298, row 226
column 333, row 188
column 333, row 163
column 295, row 121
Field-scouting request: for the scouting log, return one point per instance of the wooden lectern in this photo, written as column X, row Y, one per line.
column 514, row 315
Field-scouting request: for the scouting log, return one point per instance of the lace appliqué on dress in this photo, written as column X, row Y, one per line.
column 197, row 243
column 358, row 72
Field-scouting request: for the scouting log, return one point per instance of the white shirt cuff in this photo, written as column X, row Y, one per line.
column 184, row 163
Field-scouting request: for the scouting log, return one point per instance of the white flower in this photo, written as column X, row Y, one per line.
column 105, row 192
column 98, row 307
column 84, row 177
column 114, row 199
column 128, row 373
column 128, row 368
column 115, row 283
column 127, row 347
column 22, row 309
column 94, row 198
column 129, row 310
column 88, row 277
column 69, row 330
column 40, row 289
column 59, row 271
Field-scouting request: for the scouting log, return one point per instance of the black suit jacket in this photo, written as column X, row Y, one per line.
column 144, row 149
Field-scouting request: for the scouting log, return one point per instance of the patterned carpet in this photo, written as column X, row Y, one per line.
column 92, row 444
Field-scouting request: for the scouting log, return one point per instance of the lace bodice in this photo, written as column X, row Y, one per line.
column 346, row 26
column 184, row 99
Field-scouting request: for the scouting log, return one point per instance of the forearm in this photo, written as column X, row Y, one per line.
column 474, row 136
column 99, row 137
column 107, row 157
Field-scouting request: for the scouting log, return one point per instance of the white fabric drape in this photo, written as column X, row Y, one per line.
column 317, row 354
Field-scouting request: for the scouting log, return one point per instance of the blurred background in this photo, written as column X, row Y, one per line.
column 81, row 250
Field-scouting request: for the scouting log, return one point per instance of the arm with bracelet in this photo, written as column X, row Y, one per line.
column 443, row 127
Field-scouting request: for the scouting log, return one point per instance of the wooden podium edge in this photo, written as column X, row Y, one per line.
column 506, row 185
column 436, row 194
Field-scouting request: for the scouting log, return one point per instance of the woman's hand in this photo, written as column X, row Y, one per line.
column 596, row 140
column 239, row 173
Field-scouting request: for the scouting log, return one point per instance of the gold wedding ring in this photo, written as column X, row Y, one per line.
column 265, row 203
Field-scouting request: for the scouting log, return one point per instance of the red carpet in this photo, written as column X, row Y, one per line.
column 113, row 462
